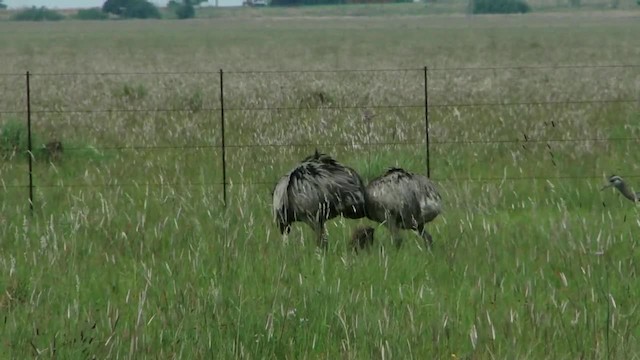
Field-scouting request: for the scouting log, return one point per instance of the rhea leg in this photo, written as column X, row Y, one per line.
column 322, row 238
column 395, row 234
column 428, row 240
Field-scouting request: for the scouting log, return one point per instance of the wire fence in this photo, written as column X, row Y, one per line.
column 258, row 114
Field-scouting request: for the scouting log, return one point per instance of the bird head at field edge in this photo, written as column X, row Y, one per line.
column 614, row 180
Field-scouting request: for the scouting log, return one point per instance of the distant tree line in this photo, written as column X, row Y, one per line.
column 185, row 9
column 139, row 9
column 124, row 9
column 144, row 9
column 477, row 6
column 499, row 6
column 37, row 14
column 332, row 2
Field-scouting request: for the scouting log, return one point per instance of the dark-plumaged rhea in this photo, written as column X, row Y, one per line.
column 617, row 182
column 403, row 200
column 362, row 238
column 315, row 191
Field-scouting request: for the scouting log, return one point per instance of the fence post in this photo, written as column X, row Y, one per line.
column 224, row 156
column 29, row 144
column 426, row 119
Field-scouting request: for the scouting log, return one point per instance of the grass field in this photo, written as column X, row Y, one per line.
column 130, row 252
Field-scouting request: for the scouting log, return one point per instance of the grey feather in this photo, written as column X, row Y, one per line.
column 617, row 182
column 317, row 190
column 403, row 200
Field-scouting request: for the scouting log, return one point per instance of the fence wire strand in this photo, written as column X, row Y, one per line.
column 321, row 108
column 273, row 183
column 349, row 144
column 337, row 71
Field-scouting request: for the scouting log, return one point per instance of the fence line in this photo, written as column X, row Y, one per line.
column 352, row 70
column 287, row 108
column 344, row 144
column 89, row 111
column 480, row 179
column 538, row 103
column 223, row 108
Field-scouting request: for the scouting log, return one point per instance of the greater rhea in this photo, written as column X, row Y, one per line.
column 400, row 199
column 315, row 191
column 617, row 182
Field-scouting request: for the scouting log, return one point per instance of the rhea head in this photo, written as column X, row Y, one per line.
column 616, row 181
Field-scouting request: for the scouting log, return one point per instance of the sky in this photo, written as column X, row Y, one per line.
column 62, row 4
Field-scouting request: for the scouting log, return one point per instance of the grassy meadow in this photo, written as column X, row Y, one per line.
column 130, row 252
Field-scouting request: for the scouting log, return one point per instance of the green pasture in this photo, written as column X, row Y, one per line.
column 130, row 251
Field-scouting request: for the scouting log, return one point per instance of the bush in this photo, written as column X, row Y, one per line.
column 13, row 138
column 142, row 9
column 499, row 6
column 139, row 9
column 91, row 14
column 131, row 93
column 306, row 2
column 14, row 144
column 37, row 14
column 185, row 11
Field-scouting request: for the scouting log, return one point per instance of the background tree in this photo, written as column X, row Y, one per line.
column 140, row 9
column 499, row 6
column 184, row 9
column 91, row 14
column 2, row 5
column 37, row 14
column 286, row 2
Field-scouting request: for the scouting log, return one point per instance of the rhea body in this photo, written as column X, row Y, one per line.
column 617, row 182
column 403, row 200
column 316, row 191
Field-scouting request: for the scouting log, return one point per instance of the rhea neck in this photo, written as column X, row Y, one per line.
column 626, row 191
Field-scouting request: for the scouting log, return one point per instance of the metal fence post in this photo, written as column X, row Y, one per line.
column 224, row 155
column 426, row 119
column 29, row 144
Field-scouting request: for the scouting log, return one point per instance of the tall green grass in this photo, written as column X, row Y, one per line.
column 130, row 252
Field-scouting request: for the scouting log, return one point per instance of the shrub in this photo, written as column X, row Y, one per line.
column 143, row 10
column 13, row 138
column 499, row 6
column 139, row 9
column 185, row 11
column 195, row 102
column 91, row 14
column 37, row 14
column 314, row 98
column 131, row 93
